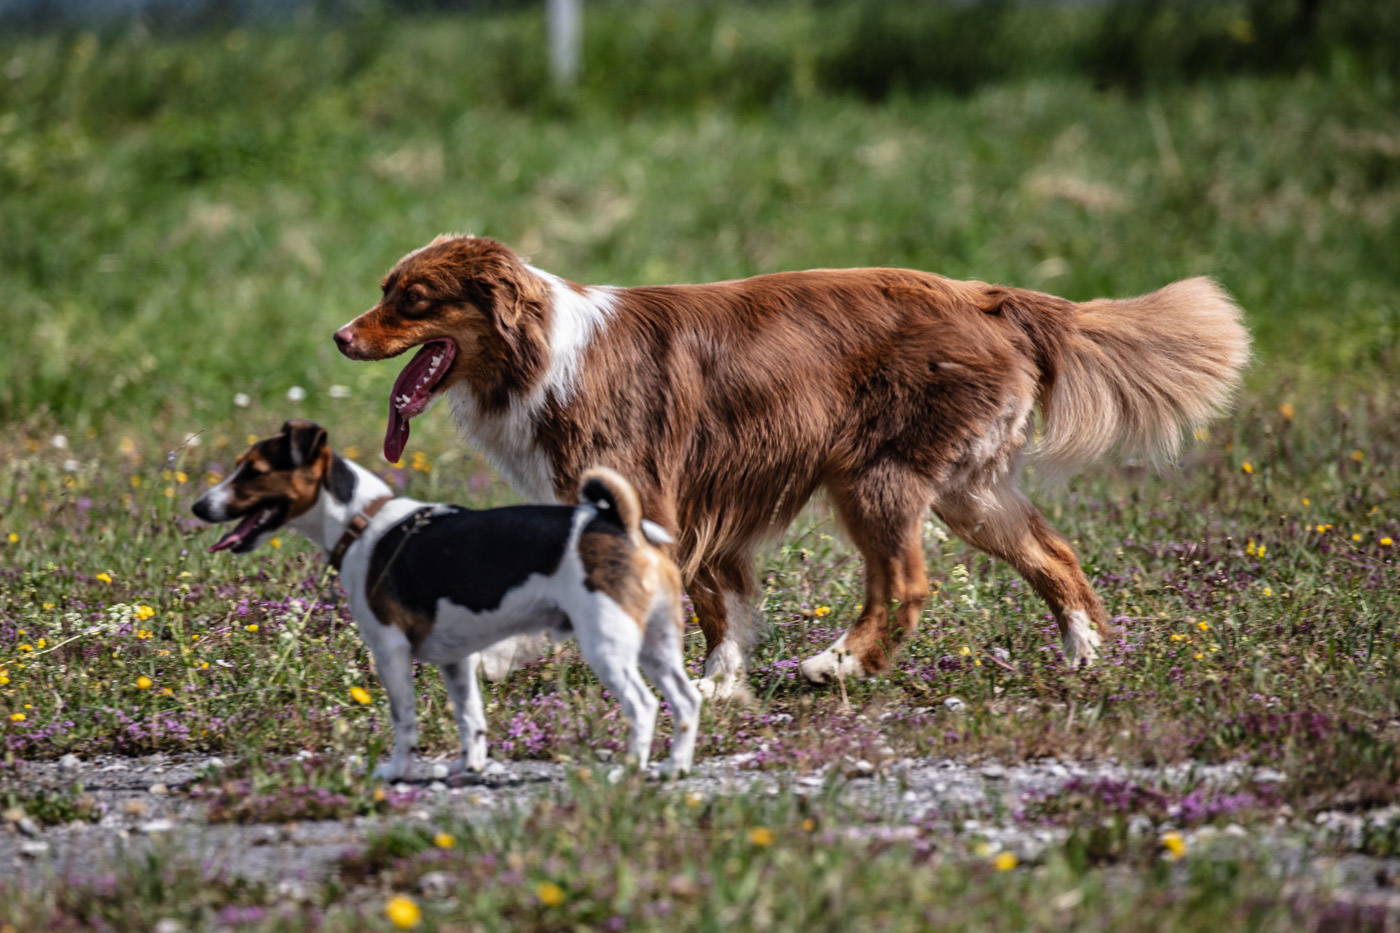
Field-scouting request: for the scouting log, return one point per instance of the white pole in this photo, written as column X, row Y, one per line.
column 565, row 33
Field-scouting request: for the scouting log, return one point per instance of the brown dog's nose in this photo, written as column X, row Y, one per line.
column 344, row 339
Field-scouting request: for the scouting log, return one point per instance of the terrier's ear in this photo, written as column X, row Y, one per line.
column 305, row 439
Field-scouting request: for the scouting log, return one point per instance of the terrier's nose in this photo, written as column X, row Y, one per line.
column 344, row 339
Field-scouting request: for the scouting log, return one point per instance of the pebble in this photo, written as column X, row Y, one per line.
column 159, row 790
column 214, row 764
column 168, row 925
column 993, row 772
column 135, row 808
column 435, row 884
column 33, row 849
column 153, row 827
column 954, row 705
column 69, row 762
column 437, row 787
column 440, row 770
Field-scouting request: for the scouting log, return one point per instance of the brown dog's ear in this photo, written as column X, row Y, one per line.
column 304, row 440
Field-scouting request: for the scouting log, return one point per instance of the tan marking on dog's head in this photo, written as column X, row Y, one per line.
column 292, row 465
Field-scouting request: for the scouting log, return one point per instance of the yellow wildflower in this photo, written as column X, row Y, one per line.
column 761, row 836
column 808, row 825
column 251, row 628
column 403, row 912
column 42, row 643
column 144, row 612
column 694, row 799
column 1356, row 538
column 135, row 480
column 26, row 647
column 49, row 605
column 445, row 840
column 1386, row 541
column 549, row 893
column 1247, row 467
column 821, row 611
column 14, row 538
column 360, row 694
column 1005, row 861
column 143, row 682
column 1203, row 626
column 1307, row 501
column 276, row 542
column 1268, row 591
column 17, row 717
column 1287, row 411
column 182, row 477
column 1174, row 844
column 965, row 651
column 1358, row 455
column 380, row 795
column 104, row 577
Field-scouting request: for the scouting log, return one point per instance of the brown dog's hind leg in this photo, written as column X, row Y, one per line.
column 724, row 592
column 1004, row 523
column 883, row 513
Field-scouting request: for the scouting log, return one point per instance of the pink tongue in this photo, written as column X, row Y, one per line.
column 239, row 533
column 412, row 390
column 396, row 435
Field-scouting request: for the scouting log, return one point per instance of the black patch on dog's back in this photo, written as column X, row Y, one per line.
column 472, row 558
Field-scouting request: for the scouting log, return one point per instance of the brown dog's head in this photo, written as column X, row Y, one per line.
column 464, row 300
column 273, row 482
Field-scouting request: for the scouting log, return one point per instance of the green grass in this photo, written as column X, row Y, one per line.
column 185, row 219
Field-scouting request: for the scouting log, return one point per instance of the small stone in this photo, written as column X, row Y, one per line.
column 1269, row 776
column 14, row 815
column 993, row 772
column 159, row 790
column 168, row 925
column 214, row 764
column 861, row 768
column 604, row 754
column 33, row 848
column 437, row 787
column 811, row 780
column 27, row 827
column 954, row 705
column 153, row 827
column 616, row 775
column 69, row 762
column 116, row 766
column 435, row 884
column 135, row 808
column 440, row 770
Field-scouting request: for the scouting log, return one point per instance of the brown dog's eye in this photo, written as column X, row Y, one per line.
column 414, row 302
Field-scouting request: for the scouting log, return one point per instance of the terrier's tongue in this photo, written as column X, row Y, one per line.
column 396, row 435
column 238, row 534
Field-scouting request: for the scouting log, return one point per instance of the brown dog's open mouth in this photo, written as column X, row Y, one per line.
column 242, row 538
column 413, row 390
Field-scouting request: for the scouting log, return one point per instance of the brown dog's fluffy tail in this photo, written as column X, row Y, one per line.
column 1134, row 374
column 614, row 498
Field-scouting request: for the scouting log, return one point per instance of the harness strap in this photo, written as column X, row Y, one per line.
column 357, row 527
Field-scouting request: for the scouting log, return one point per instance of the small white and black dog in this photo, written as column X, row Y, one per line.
column 440, row 583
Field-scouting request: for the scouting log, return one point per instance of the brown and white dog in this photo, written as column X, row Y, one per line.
column 729, row 404
column 439, row 583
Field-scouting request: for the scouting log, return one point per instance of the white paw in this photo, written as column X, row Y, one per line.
column 1083, row 639
column 474, row 759
column 835, row 663
column 724, row 687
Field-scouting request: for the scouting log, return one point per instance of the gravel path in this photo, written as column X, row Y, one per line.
column 145, row 806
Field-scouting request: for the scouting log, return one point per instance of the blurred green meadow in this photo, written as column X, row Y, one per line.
column 186, row 215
